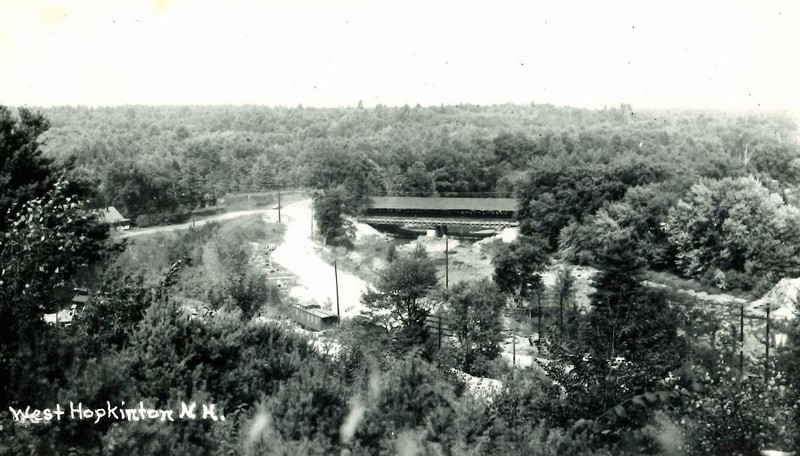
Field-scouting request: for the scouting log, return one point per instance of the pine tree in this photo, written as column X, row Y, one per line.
column 565, row 288
column 628, row 319
column 617, row 285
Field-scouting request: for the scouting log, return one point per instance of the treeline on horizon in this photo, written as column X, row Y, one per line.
column 186, row 151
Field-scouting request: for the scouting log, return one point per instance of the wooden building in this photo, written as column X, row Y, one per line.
column 314, row 319
column 114, row 219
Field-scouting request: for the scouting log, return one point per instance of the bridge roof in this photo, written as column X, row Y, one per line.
column 444, row 204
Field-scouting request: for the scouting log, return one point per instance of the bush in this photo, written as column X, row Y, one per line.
column 179, row 215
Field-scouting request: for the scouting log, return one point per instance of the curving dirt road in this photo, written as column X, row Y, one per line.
column 298, row 254
column 271, row 213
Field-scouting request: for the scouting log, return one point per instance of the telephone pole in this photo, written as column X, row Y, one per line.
column 539, row 300
column 336, row 278
column 513, row 343
column 440, row 332
column 766, row 360
column 446, row 265
column 741, row 339
column 513, row 346
column 561, row 313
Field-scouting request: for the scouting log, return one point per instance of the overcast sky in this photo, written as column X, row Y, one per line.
column 697, row 54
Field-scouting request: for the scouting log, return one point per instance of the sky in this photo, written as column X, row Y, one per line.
column 697, row 54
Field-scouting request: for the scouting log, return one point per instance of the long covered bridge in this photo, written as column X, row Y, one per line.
column 439, row 213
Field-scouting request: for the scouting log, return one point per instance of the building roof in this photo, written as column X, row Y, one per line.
column 81, row 298
column 317, row 312
column 444, row 204
column 62, row 316
column 112, row 215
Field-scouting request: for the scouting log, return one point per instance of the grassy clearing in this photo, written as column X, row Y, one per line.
column 252, row 228
column 151, row 256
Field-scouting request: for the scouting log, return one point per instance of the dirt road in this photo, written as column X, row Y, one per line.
column 271, row 213
column 316, row 278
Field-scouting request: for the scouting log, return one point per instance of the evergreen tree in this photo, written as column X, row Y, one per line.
column 297, row 404
column 565, row 289
column 617, row 286
column 628, row 319
column 24, row 172
column 405, row 398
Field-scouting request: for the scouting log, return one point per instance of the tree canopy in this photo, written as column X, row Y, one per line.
column 737, row 227
column 398, row 300
column 475, row 310
column 46, row 237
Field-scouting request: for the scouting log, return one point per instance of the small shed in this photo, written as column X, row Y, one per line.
column 314, row 319
column 62, row 317
column 209, row 200
column 113, row 218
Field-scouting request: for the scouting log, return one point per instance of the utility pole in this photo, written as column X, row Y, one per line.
column 279, row 203
column 513, row 346
column 513, row 343
column 539, row 299
column 561, row 312
column 336, row 278
column 440, row 332
column 312, row 220
column 741, row 339
column 766, row 360
column 446, row 265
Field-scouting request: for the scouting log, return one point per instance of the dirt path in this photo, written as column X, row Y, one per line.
column 720, row 298
column 316, row 281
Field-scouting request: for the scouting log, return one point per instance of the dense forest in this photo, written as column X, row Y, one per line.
column 156, row 158
column 706, row 196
